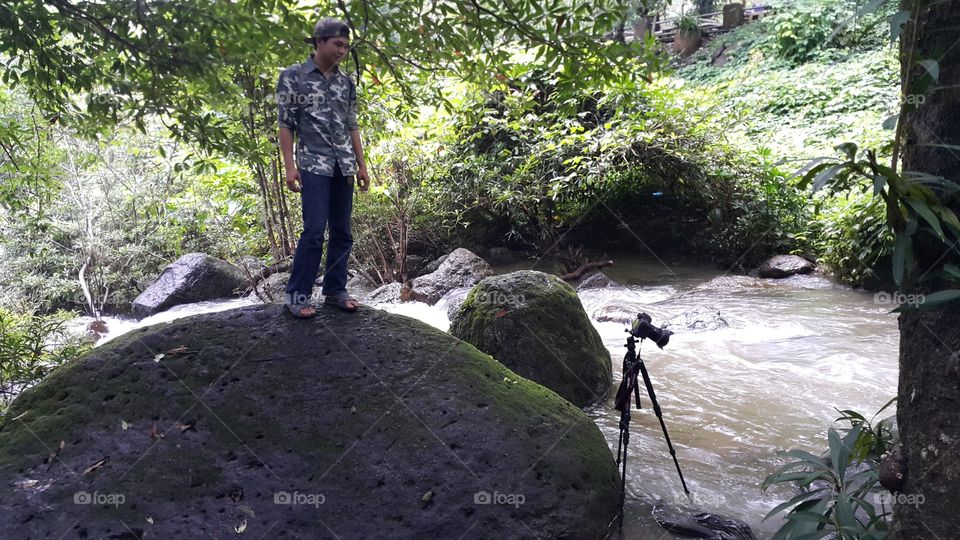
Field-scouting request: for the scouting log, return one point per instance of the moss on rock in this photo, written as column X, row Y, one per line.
column 205, row 424
column 535, row 325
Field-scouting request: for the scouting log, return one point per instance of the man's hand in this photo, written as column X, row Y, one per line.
column 293, row 179
column 363, row 179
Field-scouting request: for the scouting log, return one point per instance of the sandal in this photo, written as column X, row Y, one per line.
column 297, row 311
column 342, row 300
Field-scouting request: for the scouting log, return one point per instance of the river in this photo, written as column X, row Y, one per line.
column 731, row 398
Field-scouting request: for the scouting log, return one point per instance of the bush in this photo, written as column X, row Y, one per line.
column 30, row 347
column 851, row 236
column 837, row 492
column 520, row 169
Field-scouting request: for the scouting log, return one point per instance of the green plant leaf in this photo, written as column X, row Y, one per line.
column 921, row 208
column 931, row 301
column 897, row 21
column 932, row 67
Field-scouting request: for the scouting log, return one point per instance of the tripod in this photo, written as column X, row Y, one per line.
column 632, row 366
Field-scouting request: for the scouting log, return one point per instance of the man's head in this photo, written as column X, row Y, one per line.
column 330, row 39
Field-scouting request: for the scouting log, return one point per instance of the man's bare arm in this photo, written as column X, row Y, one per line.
column 289, row 164
column 363, row 179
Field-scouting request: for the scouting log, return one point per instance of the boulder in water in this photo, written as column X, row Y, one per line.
column 693, row 523
column 271, row 289
column 782, row 266
column 698, row 319
column 361, row 425
column 195, row 277
column 391, row 293
column 461, row 268
column 595, row 280
column 534, row 324
column 454, row 300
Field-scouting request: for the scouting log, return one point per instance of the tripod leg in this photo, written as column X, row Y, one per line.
column 623, row 471
column 663, row 426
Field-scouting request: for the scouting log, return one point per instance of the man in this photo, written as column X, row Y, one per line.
column 317, row 102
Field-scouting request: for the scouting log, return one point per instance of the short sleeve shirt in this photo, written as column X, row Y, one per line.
column 322, row 112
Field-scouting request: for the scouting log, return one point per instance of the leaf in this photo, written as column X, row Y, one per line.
column 154, row 433
column 848, row 148
column 793, row 502
column 921, row 208
column 932, row 67
column 931, row 301
column 844, row 512
column 95, row 466
column 901, row 247
column 425, row 499
column 897, row 22
column 891, row 121
column 826, row 175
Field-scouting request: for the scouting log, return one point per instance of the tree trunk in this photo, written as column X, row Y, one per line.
column 928, row 409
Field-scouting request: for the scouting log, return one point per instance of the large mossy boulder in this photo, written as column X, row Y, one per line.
column 534, row 324
column 362, row 425
column 461, row 268
column 195, row 277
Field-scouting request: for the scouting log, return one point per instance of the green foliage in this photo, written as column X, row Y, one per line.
column 689, row 22
column 800, row 32
column 913, row 203
column 30, row 347
column 518, row 168
column 836, row 492
column 120, row 210
column 851, row 237
column 794, row 111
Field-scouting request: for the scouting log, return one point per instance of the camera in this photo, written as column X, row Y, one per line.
column 643, row 329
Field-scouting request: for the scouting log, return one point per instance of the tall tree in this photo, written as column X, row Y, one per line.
column 929, row 388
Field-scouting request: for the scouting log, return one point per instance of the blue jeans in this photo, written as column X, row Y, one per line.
column 326, row 200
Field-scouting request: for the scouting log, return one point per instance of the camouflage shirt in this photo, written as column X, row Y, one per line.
column 322, row 112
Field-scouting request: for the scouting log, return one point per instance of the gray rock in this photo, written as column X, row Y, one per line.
column 288, row 415
column 250, row 265
column 386, row 294
column 534, row 324
column 595, row 280
column 782, row 266
column 694, row 523
column 623, row 313
column 271, row 289
column 698, row 319
column 358, row 281
column 461, row 268
column 434, row 266
column 455, row 299
column 195, row 277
